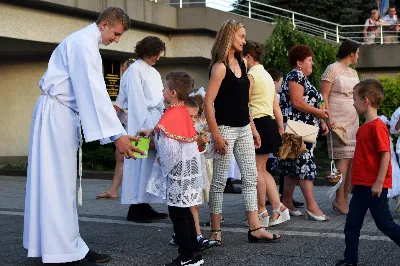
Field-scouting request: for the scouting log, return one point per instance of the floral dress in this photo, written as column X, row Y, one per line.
column 304, row 166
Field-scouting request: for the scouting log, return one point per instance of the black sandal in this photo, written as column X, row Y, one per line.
column 253, row 239
column 219, row 242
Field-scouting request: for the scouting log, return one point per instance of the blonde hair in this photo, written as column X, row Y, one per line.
column 223, row 42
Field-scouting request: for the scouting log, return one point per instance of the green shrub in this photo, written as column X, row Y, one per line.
column 284, row 37
column 391, row 101
column 96, row 157
column 23, row 165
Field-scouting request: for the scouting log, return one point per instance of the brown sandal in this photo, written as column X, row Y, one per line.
column 106, row 195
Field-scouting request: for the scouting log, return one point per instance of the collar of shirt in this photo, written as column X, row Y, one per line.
column 97, row 33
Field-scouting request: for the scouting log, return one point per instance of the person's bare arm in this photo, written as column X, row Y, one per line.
column 218, row 72
column 296, row 92
column 397, row 127
column 377, row 186
column 256, row 136
column 326, row 88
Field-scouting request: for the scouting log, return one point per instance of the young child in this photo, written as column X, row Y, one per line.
column 194, row 105
column 180, row 178
column 371, row 172
column 395, row 129
column 277, row 76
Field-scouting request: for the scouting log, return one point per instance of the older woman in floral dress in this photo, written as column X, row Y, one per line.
column 299, row 101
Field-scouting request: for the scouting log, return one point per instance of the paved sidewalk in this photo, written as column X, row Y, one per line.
column 104, row 227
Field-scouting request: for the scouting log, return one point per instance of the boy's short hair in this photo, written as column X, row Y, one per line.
column 181, row 82
column 114, row 15
column 275, row 74
column 371, row 89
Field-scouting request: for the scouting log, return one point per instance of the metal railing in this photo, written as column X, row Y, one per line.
column 313, row 26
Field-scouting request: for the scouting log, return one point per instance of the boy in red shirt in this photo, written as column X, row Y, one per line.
column 371, row 172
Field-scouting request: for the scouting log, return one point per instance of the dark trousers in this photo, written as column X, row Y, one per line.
column 185, row 231
column 361, row 201
column 281, row 184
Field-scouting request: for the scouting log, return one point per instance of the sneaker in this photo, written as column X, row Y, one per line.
column 343, row 263
column 205, row 243
column 181, row 261
column 95, row 257
column 172, row 241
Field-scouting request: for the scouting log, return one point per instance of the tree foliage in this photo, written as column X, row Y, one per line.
column 391, row 101
column 284, row 37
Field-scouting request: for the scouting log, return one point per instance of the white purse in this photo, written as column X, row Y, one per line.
column 308, row 132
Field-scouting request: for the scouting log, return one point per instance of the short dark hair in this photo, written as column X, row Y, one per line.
column 371, row 89
column 149, row 46
column 191, row 102
column 181, row 82
column 256, row 50
column 114, row 15
column 392, row 6
column 275, row 74
column 299, row 52
column 346, row 48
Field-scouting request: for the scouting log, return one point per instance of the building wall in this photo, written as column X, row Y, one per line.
column 19, row 91
column 373, row 74
column 198, row 72
column 17, row 24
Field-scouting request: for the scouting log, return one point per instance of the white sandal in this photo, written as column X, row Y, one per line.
column 264, row 220
column 284, row 216
column 310, row 216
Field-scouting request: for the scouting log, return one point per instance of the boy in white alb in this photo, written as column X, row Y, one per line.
column 73, row 94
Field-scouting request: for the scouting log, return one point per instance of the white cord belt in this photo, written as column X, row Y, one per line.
column 80, row 142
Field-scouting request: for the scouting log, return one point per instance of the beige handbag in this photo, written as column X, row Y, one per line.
column 308, row 132
column 341, row 133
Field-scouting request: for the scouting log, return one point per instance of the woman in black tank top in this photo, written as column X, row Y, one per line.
column 232, row 128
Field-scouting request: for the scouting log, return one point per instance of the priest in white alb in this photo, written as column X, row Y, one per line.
column 141, row 93
column 73, row 94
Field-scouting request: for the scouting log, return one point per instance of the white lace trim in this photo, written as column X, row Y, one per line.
column 179, row 178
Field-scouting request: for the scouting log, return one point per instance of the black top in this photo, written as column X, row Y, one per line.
column 232, row 101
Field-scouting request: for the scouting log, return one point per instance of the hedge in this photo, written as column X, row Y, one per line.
column 284, row 37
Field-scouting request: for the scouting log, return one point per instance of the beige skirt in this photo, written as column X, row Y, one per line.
column 343, row 114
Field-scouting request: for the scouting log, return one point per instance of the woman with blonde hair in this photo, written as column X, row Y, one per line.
column 232, row 128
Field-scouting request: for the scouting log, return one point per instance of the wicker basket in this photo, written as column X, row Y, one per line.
column 333, row 177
